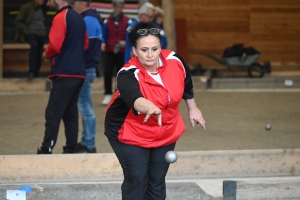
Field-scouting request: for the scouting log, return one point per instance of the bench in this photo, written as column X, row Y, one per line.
column 15, row 59
column 18, row 46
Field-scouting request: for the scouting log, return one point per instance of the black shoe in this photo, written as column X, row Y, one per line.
column 42, row 150
column 30, row 76
column 69, row 149
column 83, row 149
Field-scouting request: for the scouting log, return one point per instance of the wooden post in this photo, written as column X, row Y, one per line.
column 169, row 23
column 229, row 190
column 1, row 39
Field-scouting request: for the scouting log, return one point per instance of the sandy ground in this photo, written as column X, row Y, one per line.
column 235, row 120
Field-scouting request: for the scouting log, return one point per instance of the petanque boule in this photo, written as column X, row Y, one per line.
column 171, row 156
column 268, row 127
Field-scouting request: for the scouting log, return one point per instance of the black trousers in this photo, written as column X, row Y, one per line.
column 144, row 170
column 62, row 105
column 112, row 64
column 36, row 43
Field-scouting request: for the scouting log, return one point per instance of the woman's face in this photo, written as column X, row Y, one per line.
column 147, row 50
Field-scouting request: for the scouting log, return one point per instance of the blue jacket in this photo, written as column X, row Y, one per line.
column 94, row 29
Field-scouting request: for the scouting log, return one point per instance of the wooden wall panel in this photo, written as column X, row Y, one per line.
column 156, row 2
column 212, row 43
column 17, row 61
column 181, row 40
column 274, row 3
column 275, row 32
column 213, row 25
column 270, row 26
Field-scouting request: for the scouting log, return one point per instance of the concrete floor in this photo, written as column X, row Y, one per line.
column 236, row 120
column 189, row 189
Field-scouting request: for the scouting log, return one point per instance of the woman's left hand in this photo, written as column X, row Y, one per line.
column 196, row 117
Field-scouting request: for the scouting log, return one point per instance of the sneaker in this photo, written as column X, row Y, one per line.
column 30, row 76
column 107, row 99
column 83, row 149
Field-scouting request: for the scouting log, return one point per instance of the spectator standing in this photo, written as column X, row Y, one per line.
column 67, row 41
column 158, row 22
column 146, row 14
column 92, row 57
column 114, row 32
column 30, row 24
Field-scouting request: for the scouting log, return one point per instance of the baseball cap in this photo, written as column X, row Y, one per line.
column 116, row 2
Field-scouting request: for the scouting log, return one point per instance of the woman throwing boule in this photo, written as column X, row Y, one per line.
column 142, row 121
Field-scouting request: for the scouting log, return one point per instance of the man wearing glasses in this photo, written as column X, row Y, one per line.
column 146, row 13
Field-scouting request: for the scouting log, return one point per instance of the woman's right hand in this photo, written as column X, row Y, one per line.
column 145, row 106
column 153, row 110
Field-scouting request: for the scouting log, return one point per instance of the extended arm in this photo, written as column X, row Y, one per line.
column 145, row 106
column 195, row 115
column 129, row 89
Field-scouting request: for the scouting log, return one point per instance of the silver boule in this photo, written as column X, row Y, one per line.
column 171, row 156
column 268, row 127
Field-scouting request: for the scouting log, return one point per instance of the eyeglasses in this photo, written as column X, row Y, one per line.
column 153, row 31
column 150, row 17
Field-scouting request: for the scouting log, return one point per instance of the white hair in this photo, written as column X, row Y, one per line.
column 144, row 8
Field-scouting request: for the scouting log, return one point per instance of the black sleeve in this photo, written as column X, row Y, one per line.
column 128, row 86
column 188, row 83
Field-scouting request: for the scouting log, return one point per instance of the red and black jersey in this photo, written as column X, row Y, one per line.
column 67, row 41
column 123, row 123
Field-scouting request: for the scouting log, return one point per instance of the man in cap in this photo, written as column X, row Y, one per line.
column 114, row 32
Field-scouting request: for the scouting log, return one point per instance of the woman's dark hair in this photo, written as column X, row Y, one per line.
column 133, row 35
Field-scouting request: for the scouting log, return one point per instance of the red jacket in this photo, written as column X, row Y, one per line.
column 122, row 122
column 116, row 32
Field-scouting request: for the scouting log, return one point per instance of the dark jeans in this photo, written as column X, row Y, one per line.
column 112, row 64
column 62, row 104
column 36, row 43
column 144, row 170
